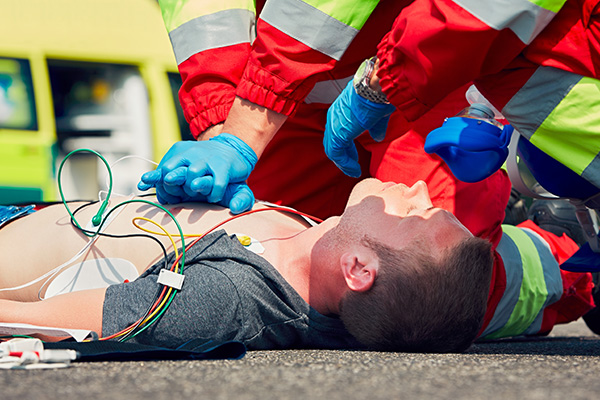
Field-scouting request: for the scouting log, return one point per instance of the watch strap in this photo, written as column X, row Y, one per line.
column 362, row 86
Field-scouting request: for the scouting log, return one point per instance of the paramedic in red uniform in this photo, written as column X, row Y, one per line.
column 263, row 101
column 270, row 95
column 534, row 61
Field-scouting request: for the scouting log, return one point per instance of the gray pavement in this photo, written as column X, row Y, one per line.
column 562, row 366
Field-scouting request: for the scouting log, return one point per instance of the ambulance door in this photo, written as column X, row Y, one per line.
column 103, row 107
column 25, row 156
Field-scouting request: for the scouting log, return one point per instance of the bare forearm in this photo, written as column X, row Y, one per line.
column 254, row 124
column 77, row 310
column 211, row 132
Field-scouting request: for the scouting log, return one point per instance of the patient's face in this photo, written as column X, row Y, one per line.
column 395, row 214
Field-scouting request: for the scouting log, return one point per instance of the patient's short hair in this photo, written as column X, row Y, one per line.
column 420, row 304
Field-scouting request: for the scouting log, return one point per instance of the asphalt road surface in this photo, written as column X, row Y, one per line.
column 562, row 366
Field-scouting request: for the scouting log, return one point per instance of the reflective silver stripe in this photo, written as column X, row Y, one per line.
column 511, row 257
column 327, row 91
column 522, row 17
column 552, row 278
column 221, row 29
column 532, row 104
column 310, row 26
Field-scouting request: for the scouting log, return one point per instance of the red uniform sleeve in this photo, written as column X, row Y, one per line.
column 210, row 79
column 299, row 43
column 281, row 70
column 277, row 72
column 434, row 47
column 296, row 45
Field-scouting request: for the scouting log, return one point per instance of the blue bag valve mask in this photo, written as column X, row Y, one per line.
column 472, row 143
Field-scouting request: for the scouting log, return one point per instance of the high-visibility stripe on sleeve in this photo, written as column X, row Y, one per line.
column 559, row 112
column 550, row 5
column 326, row 26
column 326, row 92
column 177, row 12
column 541, row 94
column 572, row 130
column 221, row 29
column 540, row 283
column 350, row 12
column 526, row 18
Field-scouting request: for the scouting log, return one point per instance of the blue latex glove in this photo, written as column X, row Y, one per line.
column 210, row 171
column 348, row 117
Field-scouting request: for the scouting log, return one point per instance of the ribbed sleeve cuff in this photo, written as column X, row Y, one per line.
column 268, row 90
column 395, row 84
column 201, row 118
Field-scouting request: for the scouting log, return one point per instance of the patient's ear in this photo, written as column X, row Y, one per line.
column 359, row 269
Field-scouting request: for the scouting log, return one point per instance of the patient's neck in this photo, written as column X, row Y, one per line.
column 288, row 254
column 295, row 260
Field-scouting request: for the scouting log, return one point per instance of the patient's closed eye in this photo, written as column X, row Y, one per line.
column 420, row 210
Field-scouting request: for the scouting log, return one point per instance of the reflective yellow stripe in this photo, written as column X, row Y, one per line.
column 350, row 12
column 533, row 292
column 550, row 5
column 571, row 132
column 177, row 12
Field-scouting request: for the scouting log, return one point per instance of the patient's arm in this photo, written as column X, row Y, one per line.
column 77, row 310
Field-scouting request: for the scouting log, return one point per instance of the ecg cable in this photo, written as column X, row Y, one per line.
column 166, row 294
column 143, row 322
column 102, row 216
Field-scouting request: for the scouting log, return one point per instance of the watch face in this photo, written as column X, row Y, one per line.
column 361, row 83
column 359, row 76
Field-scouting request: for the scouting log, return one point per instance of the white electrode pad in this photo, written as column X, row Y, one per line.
column 250, row 243
column 92, row 274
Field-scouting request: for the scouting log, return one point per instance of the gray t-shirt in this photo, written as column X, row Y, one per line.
column 229, row 293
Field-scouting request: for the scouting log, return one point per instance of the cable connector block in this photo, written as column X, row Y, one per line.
column 170, row 278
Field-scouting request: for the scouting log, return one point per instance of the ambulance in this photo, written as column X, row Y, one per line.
column 83, row 74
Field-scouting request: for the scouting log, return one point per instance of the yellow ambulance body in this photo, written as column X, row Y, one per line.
column 96, row 74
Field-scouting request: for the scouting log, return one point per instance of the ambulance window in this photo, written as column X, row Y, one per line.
column 17, row 104
column 184, row 127
column 90, row 98
column 103, row 107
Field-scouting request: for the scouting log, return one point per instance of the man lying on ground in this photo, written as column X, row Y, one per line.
column 391, row 273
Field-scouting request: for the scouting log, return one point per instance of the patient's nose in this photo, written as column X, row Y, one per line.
column 419, row 193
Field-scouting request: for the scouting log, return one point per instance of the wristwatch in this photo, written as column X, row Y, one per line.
column 361, row 81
